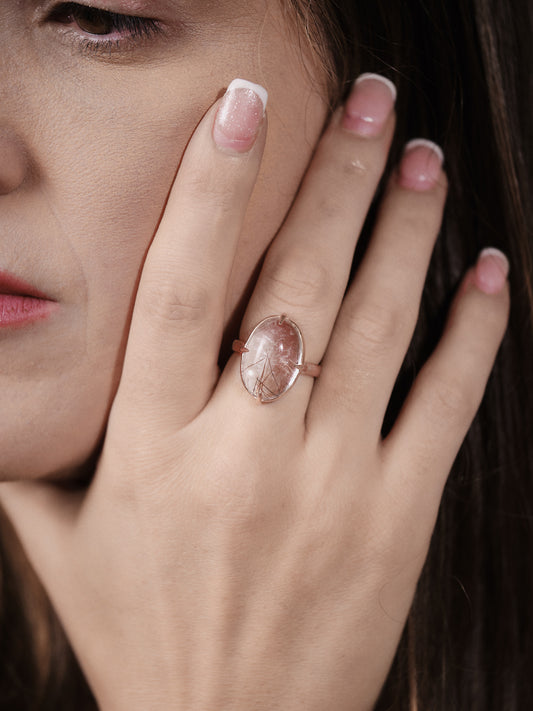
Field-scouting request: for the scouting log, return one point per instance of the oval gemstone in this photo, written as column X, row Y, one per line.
column 275, row 350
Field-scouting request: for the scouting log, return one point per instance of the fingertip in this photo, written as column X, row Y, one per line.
column 491, row 271
column 240, row 116
column 488, row 276
column 421, row 165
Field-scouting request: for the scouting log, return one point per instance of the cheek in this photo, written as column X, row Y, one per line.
column 104, row 162
column 112, row 171
column 100, row 180
column 113, row 177
column 108, row 177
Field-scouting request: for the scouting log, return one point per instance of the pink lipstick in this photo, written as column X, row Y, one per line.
column 21, row 303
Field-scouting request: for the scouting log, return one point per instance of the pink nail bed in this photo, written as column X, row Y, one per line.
column 240, row 116
column 369, row 104
column 420, row 165
column 492, row 268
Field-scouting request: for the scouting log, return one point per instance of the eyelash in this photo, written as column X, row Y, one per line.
column 137, row 28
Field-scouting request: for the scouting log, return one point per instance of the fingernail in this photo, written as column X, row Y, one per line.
column 369, row 104
column 492, row 269
column 420, row 165
column 240, row 116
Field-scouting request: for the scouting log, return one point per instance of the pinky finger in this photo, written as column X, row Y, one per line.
column 423, row 444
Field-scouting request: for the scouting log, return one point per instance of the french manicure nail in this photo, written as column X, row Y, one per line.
column 492, row 269
column 420, row 165
column 240, row 116
column 369, row 104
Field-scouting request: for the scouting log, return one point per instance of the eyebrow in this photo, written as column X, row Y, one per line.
column 139, row 5
column 146, row 5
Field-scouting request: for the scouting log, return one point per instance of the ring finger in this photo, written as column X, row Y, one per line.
column 380, row 311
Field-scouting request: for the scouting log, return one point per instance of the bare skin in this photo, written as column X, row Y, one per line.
column 229, row 555
column 226, row 555
column 90, row 141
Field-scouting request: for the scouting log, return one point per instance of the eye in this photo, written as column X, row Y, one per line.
column 95, row 23
column 92, row 20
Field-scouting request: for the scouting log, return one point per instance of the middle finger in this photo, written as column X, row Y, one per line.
column 307, row 268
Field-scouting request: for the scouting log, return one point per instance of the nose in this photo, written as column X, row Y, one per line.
column 13, row 163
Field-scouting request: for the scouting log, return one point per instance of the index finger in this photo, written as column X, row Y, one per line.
column 172, row 350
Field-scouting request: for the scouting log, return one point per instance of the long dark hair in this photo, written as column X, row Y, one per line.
column 464, row 79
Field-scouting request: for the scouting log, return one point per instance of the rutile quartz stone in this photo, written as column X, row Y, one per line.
column 274, row 352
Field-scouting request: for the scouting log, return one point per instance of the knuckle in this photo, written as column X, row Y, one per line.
column 216, row 196
column 162, row 301
column 357, row 167
column 340, row 169
column 218, row 204
column 297, row 280
column 204, row 184
column 349, row 158
column 364, row 167
column 416, row 212
column 452, row 400
column 349, row 168
column 374, row 326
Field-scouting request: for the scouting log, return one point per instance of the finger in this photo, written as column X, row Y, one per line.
column 307, row 268
column 421, row 448
column 170, row 363
column 379, row 314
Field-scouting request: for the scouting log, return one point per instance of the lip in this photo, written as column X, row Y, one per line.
column 21, row 303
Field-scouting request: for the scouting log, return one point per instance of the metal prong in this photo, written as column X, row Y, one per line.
column 239, row 347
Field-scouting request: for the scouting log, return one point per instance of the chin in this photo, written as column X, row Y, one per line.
column 41, row 448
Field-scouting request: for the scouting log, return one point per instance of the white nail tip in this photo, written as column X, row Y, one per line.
column 429, row 144
column 378, row 77
column 261, row 92
column 493, row 252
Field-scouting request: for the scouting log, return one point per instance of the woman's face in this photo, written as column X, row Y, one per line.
column 93, row 122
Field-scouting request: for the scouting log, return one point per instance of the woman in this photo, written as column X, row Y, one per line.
column 200, row 551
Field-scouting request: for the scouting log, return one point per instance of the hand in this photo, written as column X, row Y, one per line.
column 235, row 556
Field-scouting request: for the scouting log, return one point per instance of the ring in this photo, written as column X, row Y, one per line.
column 272, row 358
